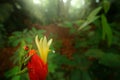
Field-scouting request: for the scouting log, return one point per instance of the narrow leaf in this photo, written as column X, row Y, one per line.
column 94, row 13
column 107, row 32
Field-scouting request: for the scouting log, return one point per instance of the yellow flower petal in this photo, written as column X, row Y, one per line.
column 43, row 47
column 37, row 43
column 49, row 42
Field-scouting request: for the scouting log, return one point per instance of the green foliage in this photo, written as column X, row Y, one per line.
column 107, row 59
column 93, row 14
column 5, row 10
column 106, row 29
column 91, row 18
column 11, row 74
column 77, row 65
column 106, row 5
column 2, row 36
column 97, row 47
column 110, row 59
column 69, row 25
column 74, row 69
column 26, row 35
column 96, row 53
column 107, row 32
column 54, row 67
column 17, row 59
column 93, row 58
column 76, row 75
column 21, row 39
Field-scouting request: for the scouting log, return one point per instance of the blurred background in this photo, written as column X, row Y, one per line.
column 86, row 37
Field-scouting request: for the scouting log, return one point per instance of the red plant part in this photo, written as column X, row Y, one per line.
column 26, row 48
column 37, row 69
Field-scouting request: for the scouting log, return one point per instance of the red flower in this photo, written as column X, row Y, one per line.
column 37, row 65
column 37, row 69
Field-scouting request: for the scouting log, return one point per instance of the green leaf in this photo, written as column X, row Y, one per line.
column 25, row 31
column 67, row 24
column 79, row 22
column 40, row 32
column 86, row 23
column 81, row 61
column 34, row 29
column 12, row 72
column 85, row 75
column 29, row 39
column 94, row 13
column 16, row 78
column 107, row 32
column 92, row 17
column 106, row 5
column 110, row 59
column 75, row 75
column 52, row 67
column 60, row 76
column 96, row 53
column 17, row 33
